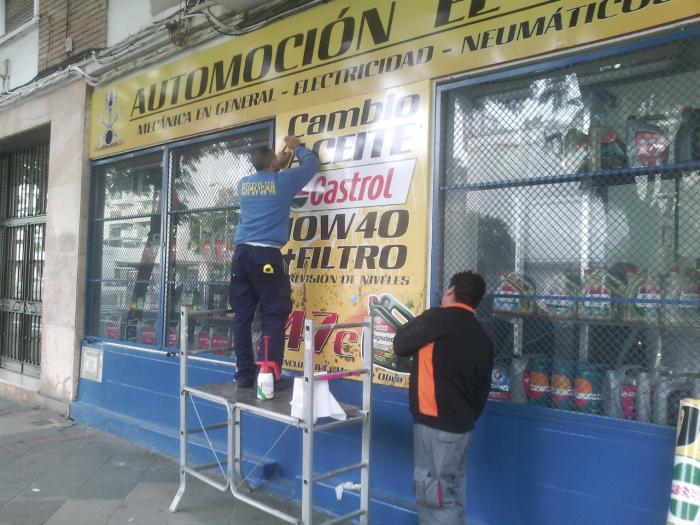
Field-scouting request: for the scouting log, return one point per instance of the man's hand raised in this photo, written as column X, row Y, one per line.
column 292, row 142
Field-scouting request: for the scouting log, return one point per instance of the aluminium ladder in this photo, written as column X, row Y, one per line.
column 238, row 402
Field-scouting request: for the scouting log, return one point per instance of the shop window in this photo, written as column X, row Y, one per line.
column 576, row 194
column 203, row 214
column 137, row 242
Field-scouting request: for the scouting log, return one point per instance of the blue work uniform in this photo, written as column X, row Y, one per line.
column 259, row 274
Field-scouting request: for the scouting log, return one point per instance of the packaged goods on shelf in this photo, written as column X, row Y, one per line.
column 644, row 293
column 683, row 287
column 500, row 380
column 562, row 384
column 649, row 140
column 607, row 149
column 620, row 392
column 687, row 143
column 558, row 296
column 599, row 287
column 537, row 383
column 513, row 294
column 588, row 395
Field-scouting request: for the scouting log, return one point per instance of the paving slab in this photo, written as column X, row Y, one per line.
column 56, row 472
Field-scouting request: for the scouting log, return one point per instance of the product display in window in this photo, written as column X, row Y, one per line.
column 576, row 194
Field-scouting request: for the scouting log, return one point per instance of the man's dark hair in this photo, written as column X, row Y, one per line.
column 262, row 157
column 469, row 287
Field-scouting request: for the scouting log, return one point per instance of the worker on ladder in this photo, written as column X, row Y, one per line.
column 259, row 274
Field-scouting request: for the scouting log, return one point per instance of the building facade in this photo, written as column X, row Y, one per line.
column 553, row 147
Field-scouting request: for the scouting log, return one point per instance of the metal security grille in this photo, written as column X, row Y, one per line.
column 125, row 250
column 203, row 215
column 23, row 176
column 576, row 194
column 141, row 268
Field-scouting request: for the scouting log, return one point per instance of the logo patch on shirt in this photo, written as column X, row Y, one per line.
column 258, row 189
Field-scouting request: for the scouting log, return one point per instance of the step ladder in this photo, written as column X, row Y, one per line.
column 238, row 402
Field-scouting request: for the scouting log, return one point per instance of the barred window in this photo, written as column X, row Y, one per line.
column 575, row 193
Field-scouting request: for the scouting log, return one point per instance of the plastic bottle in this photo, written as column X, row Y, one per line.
column 559, row 292
column 562, row 385
column 646, row 287
column 519, row 379
column 687, row 146
column 265, row 383
column 588, row 389
column 645, row 391
column 512, row 292
column 682, row 287
column 500, row 381
column 598, row 288
column 538, row 390
column 620, row 392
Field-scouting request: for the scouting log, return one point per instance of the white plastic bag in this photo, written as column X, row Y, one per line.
column 325, row 405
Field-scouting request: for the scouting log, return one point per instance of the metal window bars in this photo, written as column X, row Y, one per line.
column 238, row 402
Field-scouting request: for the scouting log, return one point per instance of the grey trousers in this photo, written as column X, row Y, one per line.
column 440, row 475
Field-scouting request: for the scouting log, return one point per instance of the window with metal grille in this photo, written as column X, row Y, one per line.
column 17, row 12
column 148, row 257
column 575, row 192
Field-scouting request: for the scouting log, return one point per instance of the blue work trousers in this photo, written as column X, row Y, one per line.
column 259, row 276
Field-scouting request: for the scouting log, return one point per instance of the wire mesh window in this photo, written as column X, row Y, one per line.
column 576, row 194
column 132, row 252
column 203, row 214
column 125, row 250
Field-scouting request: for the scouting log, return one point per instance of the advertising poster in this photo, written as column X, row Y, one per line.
column 359, row 229
column 344, row 49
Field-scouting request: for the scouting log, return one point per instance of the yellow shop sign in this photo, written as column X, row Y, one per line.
column 344, row 49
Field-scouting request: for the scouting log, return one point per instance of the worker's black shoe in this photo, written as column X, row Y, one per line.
column 283, row 383
column 245, row 383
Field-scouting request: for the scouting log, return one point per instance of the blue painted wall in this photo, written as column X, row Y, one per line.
column 527, row 465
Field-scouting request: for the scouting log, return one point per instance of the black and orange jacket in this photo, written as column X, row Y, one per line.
column 451, row 371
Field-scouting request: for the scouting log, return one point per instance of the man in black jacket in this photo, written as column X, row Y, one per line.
column 450, row 382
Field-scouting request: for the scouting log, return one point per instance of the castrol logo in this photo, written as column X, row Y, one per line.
column 357, row 187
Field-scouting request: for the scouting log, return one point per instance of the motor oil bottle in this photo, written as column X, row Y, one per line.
column 647, row 141
column 684, row 288
column 512, row 294
column 687, row 144
column 558, row 296
column 387, row 315
column 619, row 391
column 519, row 379
column 645, row 393
column 538, row 386
column 599, row 287
column 644, row 292
column 562, row 385
column 588, row 395
column 607, row 149
column 500, row 381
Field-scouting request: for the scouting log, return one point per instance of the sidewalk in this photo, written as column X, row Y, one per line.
column 56, row 472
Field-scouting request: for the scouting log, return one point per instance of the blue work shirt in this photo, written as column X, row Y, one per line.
column 265, row 199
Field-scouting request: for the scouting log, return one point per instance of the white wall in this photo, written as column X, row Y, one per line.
column 125, row 18
column 23, row 52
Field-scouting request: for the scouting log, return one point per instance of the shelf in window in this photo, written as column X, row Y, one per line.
column 632, row 323
column 683, row 168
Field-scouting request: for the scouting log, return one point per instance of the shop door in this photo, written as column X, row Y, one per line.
column 23, row 178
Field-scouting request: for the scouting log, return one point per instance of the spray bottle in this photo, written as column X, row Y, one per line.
column 265, row 384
